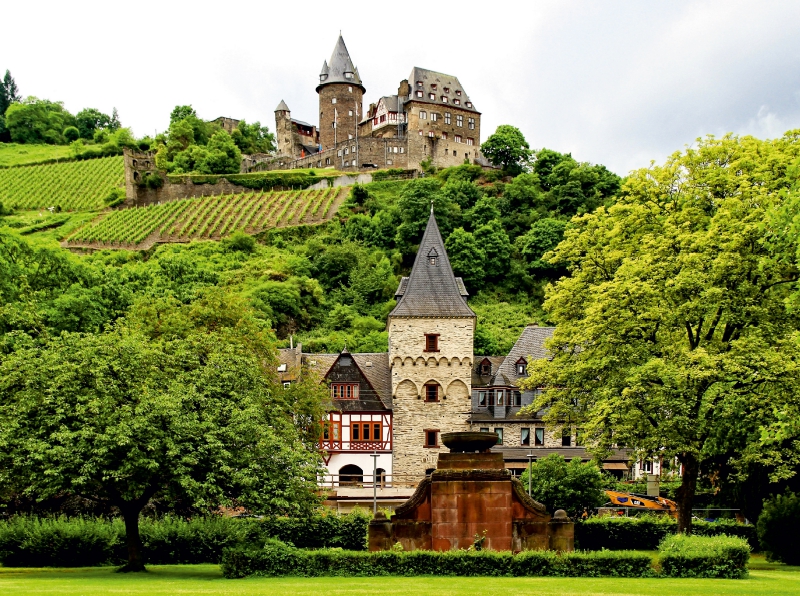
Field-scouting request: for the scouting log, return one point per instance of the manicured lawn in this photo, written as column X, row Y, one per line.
column 207, row 579
column 14, row 154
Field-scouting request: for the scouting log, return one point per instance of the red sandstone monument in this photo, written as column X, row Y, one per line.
column 468, row 496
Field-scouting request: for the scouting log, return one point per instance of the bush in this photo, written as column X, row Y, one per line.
column 559, row 484
column 276, row 559
column 645, row 532
column 32, row 542
column 239, row 241
column 62, row 542
column 704, row 556
column 778, row 528
column 116, row 196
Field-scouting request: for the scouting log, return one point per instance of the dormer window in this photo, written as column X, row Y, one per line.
column 458, row 91
column 446, row 89
column 457, row 102
column 431, row 96
column 322, row 77
column 433, row 85
column 469, row 104
column 444, row 98
column 433, row 257
column 521, row 366
column 348, row 75
column 419, row 93
column 419, row 83
column 486, row 368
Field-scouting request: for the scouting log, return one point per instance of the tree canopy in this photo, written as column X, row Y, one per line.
column 507, row 148
column 177, row 401
column 572, row 486
column 675, row 331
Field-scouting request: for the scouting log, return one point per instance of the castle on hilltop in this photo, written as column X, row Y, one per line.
column 430, row 118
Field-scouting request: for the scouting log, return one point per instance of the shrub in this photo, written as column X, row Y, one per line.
column 116, row 196
column 239, row 241
column 559, row 484
column 276, row 559
column 704, row 556
column 645, row 532
column 778, row 528
column 58, row 542
column 172, row 541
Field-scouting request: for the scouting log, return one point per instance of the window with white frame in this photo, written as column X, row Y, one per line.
column 350, row 89
column 457, row 101
column 419, row 93
column 471, row 123
column 434, row 116
column 458, row 91
column 444, row 135
column 469, row 104
column 431, row 96
column 419, row 83
column 349, row 112
column 459, row 120
column 458, row 138
column 445, row 99
column 430, row 133
column 423, row 115
column 333, row 100
column 447, row 117
column 470, row 141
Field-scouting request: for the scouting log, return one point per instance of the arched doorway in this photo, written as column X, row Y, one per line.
column 351, row 474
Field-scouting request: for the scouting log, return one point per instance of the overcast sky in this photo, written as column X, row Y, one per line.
column 618, row 83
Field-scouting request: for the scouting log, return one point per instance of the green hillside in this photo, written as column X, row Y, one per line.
column 211, row 217
column 70, row 186
column 15, row 154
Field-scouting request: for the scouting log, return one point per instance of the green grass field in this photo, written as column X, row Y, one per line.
column 207, row 579
column 14, row 154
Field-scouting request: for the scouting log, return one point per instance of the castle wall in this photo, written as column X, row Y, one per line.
column 347, row 111
column 412, row 368
column 352, row 154
column 443, row 152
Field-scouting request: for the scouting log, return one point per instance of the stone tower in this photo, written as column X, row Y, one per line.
column 430, row 350
column 340, row 98
column 283, row 129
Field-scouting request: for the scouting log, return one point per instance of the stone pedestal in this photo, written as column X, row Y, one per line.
column 469, row 496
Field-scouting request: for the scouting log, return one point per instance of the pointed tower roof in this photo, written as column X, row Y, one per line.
column 431, row 290
column 282, row 107
column 339, row 69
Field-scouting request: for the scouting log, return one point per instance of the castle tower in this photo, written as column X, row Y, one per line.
column 340, row 98
column 283, row 129
column 430, row 350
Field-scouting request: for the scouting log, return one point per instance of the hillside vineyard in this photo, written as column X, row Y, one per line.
column 210, row 217
column 71, row 186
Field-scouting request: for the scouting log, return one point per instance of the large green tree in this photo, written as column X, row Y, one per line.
column 176, row 401
column 34, row 120
column 674, row 326
column 559, row 484
column 8, row 95
column 507, row 148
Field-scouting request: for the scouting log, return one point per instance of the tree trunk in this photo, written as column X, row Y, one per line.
column 685, row 493
column 130, row 513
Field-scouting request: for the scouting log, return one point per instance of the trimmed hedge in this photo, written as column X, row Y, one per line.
column 647, row 532
column 277, row 559
column 62, row 542
column 704, row 556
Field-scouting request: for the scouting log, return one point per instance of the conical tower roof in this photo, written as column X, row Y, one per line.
column 431, row 290
column 282, row 107
column 340, row 68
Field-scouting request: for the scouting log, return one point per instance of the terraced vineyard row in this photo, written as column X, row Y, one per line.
column 72, row 186
column 208, row 217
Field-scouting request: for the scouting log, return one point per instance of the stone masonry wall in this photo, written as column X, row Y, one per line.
column 412, row 368
column 347, row 111
column 443, row 152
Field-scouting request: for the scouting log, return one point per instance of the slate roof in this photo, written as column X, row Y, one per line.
column 378, row 374
column 339, row 64
column 431, row 290
column 282, row 107
column 479, row 380
column 529, row 346
column 442, row 81
column 390, row 101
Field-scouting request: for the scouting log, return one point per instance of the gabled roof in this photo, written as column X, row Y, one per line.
column 374, row 366
column 431, row 290
column 333, row 71
column 428, row 78
column 530, row 345
column 282, row 107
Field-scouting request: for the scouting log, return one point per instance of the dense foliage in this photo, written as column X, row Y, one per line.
column 645, row 532
column 572, row 486
column 778, row 528
column 507, row 148
column 79, row 542
column 703, row 556
column 676, row 334
column 193, row 145
column 279, row 559
column 208, row 217
column 8, row 94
